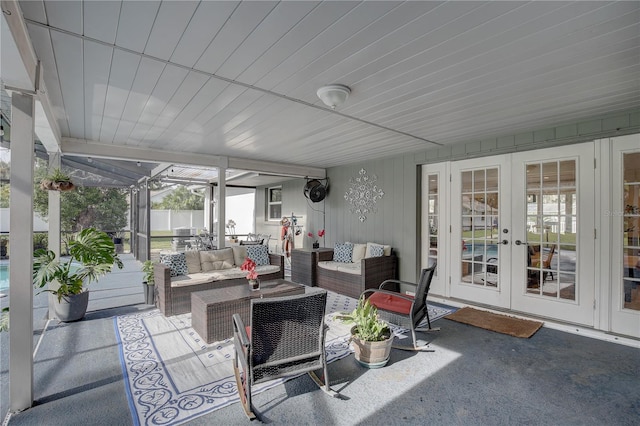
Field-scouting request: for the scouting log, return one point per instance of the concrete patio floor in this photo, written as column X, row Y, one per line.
column 474, row 377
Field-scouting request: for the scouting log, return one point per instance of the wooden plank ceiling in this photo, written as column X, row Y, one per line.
column 239, row 79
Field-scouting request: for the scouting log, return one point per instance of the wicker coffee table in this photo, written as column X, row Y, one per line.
column 211, row 310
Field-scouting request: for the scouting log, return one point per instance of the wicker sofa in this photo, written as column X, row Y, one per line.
column 206, row 270
column 362, row 272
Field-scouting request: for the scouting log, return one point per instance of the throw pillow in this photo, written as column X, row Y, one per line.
column 359, row 251
column 214, row 260
column 377, row 251
column 193, row 261
column 239, row 255
column 177, row 263
column 259, row 254
column 343, row 252
column 387, row 249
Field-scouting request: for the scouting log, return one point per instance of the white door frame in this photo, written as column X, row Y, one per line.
column 439, row 282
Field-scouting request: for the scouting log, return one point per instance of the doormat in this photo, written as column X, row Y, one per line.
column 495, row 322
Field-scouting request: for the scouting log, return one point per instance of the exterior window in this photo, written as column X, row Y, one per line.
column 274, row 203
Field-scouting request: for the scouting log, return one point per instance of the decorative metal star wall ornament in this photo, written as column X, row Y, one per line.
column 363, row 194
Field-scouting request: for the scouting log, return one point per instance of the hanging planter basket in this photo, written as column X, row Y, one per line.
column 64, row 185
column 57, row 181
column 52, row 185
column 46, row 184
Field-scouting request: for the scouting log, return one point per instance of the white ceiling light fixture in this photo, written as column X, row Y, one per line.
column 334, row 95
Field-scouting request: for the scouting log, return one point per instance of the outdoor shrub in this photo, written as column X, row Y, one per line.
column 40, row 240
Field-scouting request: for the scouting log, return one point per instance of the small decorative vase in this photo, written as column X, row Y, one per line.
column 254, row 284
column 316, row 245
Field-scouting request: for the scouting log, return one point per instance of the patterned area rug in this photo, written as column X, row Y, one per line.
column 172, row 375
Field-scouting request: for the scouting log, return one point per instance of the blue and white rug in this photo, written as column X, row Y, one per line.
column 172, row 376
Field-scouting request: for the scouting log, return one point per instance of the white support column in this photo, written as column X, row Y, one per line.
column 207, row 221
column 147, row 212
column 21, row 259
column 222, row 205
column 54, row 237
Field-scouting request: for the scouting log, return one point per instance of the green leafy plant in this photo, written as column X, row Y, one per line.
column 40, row 240
column 367, row 325
column 147, row 268
column 58, row 176
column 92, row 249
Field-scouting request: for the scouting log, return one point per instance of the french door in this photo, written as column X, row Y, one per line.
column 522, row 232
column 625, row 232
column 553, row 252
column 481, row 230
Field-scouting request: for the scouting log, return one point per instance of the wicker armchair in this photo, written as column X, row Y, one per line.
column 374, row 270
column 286, row 337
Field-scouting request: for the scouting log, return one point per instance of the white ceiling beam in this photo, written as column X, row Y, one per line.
column 83, row 147
column 159, row 169
column 46, row 127
column 71, row 146
column 278, row 169
column 13, row 16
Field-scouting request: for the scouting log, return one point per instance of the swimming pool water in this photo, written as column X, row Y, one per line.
column 4, row 277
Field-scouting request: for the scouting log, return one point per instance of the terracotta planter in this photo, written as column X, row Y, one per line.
column 72, row 308
column 372, row 354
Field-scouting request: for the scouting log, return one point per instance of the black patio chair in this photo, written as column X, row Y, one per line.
column 405, row 310
column 285, row 338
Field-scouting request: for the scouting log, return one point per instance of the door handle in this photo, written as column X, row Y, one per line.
column 518, row 242
column 505, row 242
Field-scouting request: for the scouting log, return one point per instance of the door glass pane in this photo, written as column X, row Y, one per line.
column 467, row 183
column 433, row 217
column 551, row 223
column 479, row 220
column 631, row 232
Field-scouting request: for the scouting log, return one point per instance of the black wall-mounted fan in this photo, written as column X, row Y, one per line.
column 315, row 191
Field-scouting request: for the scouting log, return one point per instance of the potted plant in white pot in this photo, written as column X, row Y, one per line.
column 148, row 283
column 371, row 336
column 92, row 255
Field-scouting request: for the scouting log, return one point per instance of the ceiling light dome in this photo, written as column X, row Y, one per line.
column 334, row 95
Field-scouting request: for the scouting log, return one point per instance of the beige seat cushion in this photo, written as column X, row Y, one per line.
column 329, row 264
column 350, row 268
column 346, row 267
column 191, row 279
column 214, row 260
